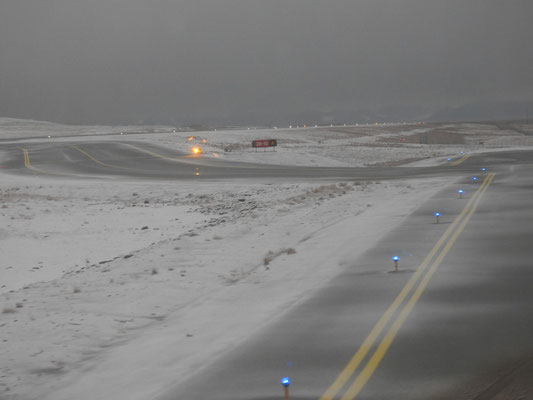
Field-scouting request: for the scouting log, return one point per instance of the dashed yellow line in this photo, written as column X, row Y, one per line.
column 463, row 158
column 384, row 345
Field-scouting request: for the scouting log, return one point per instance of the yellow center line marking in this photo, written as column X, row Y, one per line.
column 464, row 158
column 194, row 159
column 28, row 165
column 98, row 161
column 384, row 345
column 369, row 341
column 176, row 160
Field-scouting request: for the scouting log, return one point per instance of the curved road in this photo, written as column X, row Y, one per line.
column 141, row 160
column 460, row 307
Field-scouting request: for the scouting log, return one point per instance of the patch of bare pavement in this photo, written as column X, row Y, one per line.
column 508, row 381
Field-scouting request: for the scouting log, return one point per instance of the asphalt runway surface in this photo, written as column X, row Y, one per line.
column 460, row 305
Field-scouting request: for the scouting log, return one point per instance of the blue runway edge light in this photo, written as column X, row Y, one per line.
column 436, row 214
column 395, row 258
column 474, row 178
column 483, row 169
column 460, row 191
column 285, row 381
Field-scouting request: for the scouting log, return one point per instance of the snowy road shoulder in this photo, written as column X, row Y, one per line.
column 215, row 263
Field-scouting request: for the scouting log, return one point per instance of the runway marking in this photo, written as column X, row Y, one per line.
column 464, row 158
column 363, row 377
column 98, row 161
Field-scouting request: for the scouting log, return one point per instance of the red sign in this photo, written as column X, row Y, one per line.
column 265, row 143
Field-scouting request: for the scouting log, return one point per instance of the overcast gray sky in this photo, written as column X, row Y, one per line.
column 194, row 61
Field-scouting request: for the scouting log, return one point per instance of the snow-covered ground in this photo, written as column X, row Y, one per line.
column 12, row 128
column 118, row 289
column 357, row 145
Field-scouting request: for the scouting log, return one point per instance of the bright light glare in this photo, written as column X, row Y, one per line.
column 196, row 150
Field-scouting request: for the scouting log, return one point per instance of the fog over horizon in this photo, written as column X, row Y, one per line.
column 264, row 61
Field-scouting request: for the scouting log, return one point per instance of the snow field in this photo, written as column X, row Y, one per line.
column 214, row 258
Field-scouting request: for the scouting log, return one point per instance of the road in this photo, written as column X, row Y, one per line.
column 130, row 159
column 460, row 306
column 473, row 313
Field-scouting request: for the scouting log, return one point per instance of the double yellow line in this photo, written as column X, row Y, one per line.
column 445, row 243
column 463, row 158
column 28, row 165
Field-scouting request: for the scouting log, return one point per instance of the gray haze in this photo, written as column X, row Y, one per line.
column 264, row 61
